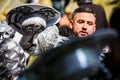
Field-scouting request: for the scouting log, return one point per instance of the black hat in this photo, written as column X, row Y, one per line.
column 29, row 13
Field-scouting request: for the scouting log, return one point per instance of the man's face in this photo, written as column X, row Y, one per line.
column 83, row 24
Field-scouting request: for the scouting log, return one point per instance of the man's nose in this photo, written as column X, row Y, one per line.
column 84, row 26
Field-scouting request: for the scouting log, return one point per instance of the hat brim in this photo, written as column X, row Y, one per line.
column 17, row 14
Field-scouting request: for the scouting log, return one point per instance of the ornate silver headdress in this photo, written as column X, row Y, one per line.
column 30, row 19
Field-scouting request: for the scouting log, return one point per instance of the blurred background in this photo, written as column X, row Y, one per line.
column 64, row 6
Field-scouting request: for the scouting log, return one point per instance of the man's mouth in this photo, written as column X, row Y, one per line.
column 83, row 33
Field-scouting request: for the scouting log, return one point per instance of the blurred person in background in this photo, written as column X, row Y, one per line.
column 108, row 5
column 112, row 60
column 60, row 5
column 64, row 23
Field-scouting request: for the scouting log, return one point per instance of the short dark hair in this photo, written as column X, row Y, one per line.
column 80, row 2
column 82, row 9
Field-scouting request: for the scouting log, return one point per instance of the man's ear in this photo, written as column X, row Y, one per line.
column 71, row 24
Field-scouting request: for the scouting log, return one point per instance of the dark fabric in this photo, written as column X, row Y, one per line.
column 101, row 21
column 65, row 31
column 115, row 20
column 112, row 66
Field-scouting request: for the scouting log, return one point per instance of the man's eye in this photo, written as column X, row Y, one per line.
column 80, row 21
column 90, row 23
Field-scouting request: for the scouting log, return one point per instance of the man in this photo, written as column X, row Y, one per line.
column 83, row 22
column 101, row 20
